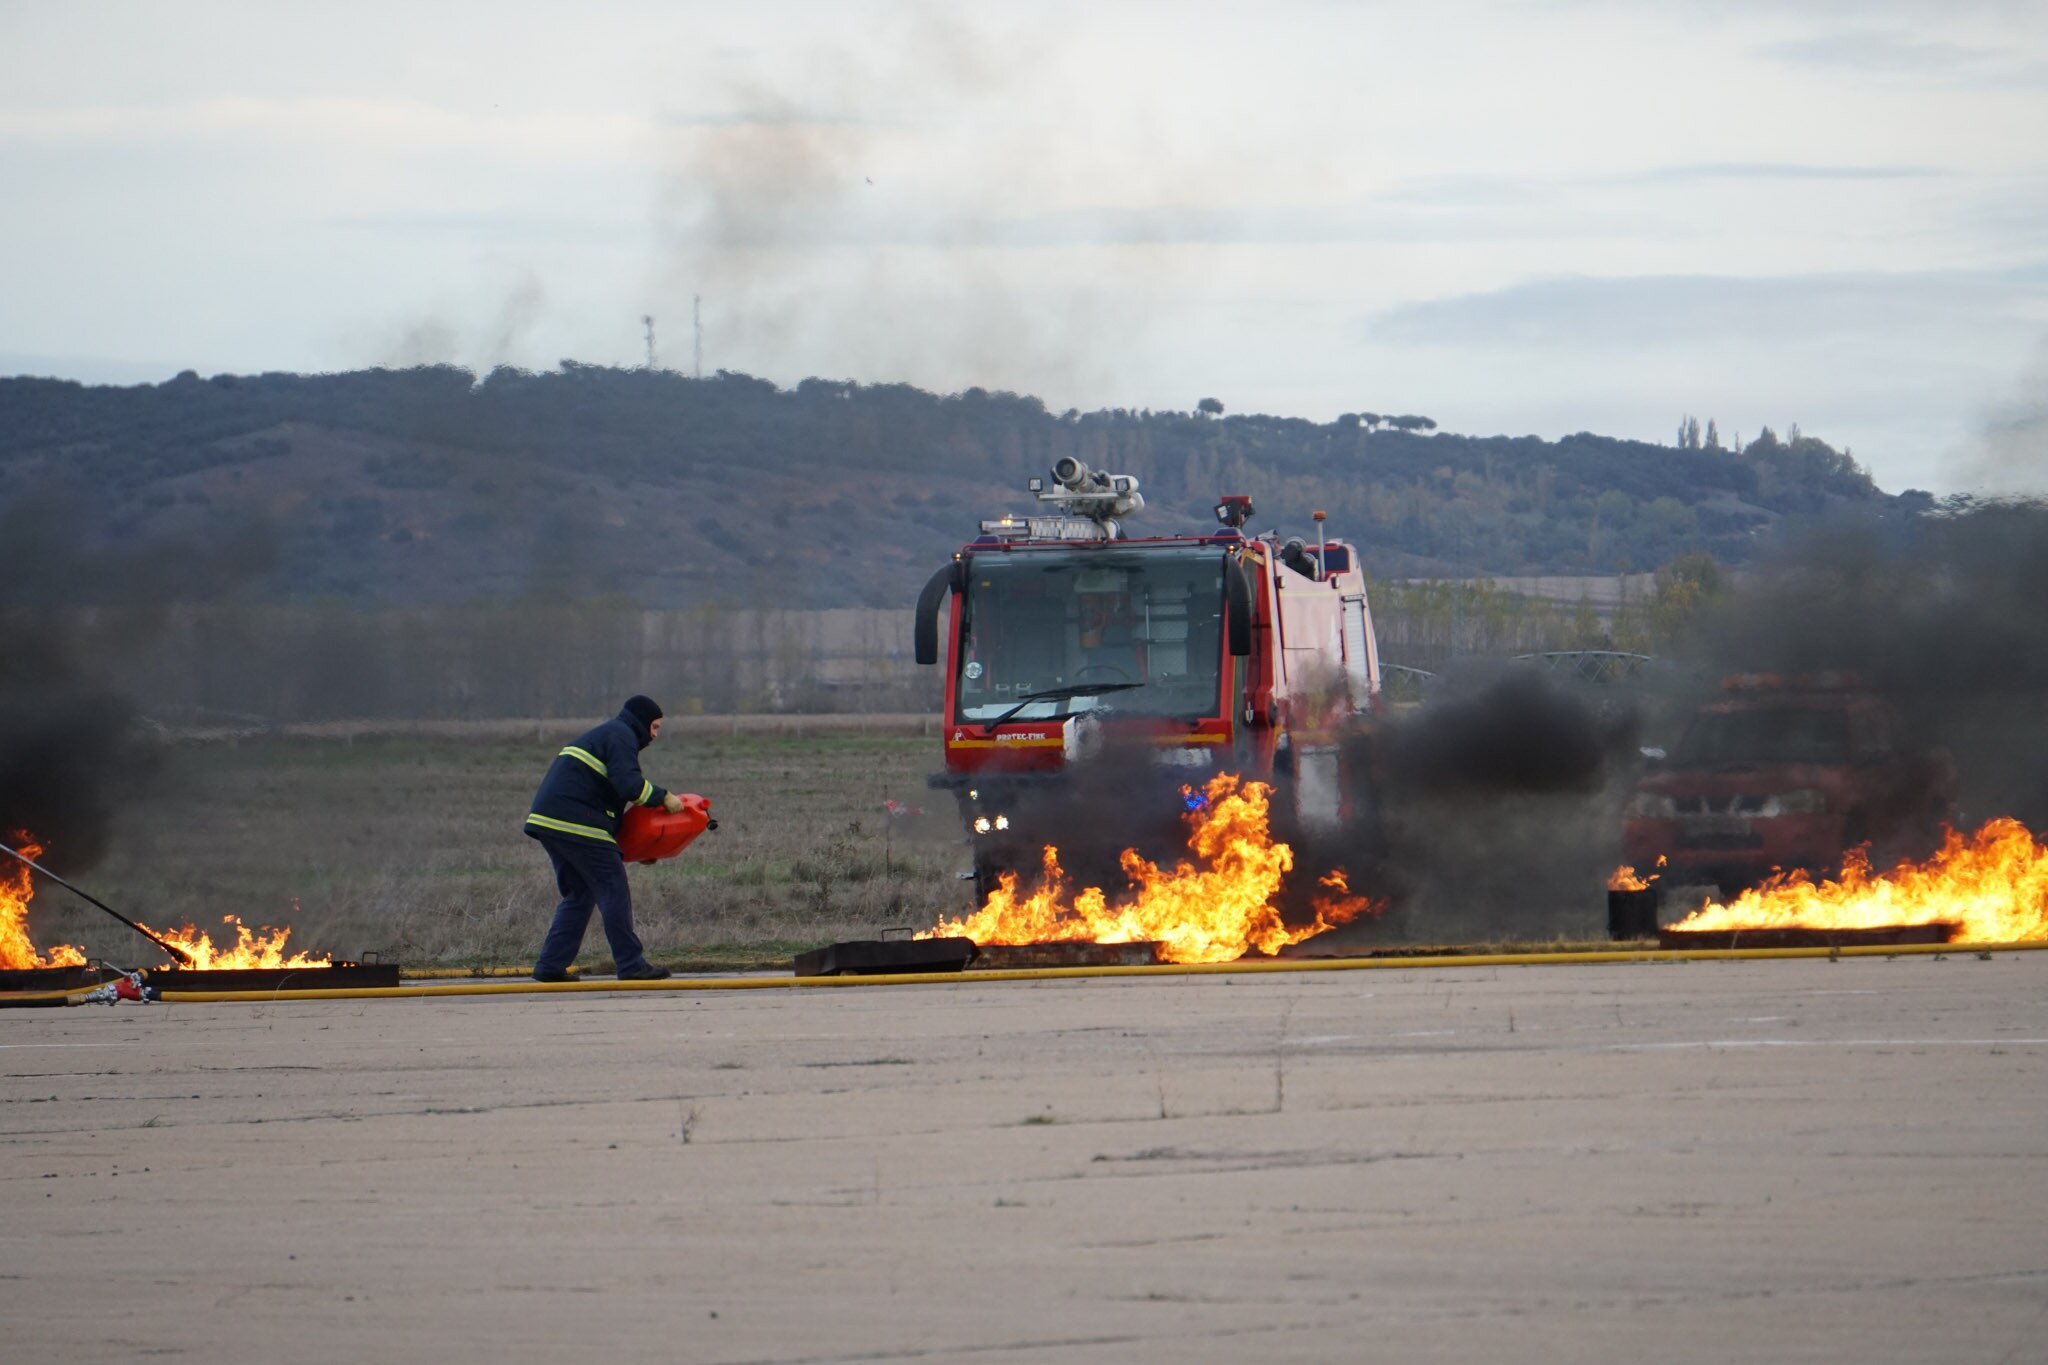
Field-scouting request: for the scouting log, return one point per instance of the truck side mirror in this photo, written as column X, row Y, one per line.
column 1237, row 609
column 924, row 631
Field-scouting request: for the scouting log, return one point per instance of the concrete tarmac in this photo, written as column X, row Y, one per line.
column 1784, row 1161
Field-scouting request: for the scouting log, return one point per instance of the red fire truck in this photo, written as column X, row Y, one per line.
column 1092, row 676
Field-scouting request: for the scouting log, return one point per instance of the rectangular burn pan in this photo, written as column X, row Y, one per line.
column 337, row 976
column 1633, row 914
column 54, row 978
column 884, row 957
column 1883, row 936
column 995, row 957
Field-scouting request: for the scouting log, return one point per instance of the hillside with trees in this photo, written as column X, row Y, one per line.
column 433, row 486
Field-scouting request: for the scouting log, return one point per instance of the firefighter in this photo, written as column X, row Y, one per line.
column 575, row 817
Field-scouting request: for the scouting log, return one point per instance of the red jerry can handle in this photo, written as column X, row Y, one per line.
column 647, row 834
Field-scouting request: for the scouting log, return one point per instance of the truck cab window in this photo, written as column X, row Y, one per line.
column 1040, row 620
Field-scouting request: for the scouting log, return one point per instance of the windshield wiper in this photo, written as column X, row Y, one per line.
column 1067, row 693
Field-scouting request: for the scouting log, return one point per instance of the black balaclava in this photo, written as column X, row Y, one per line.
column 643, row 711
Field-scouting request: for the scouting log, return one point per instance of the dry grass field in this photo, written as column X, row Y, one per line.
column 409, row 844
column 404, row 839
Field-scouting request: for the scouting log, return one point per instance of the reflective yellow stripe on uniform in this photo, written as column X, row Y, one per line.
column 646, row 790
column 565, row 827
column 586, row 757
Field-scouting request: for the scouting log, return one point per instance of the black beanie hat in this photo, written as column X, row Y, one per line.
column 642, row 709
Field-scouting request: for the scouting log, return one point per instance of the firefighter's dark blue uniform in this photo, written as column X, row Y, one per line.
column 575, row 817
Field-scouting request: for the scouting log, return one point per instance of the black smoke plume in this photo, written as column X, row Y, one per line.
column 1521, row 732
column 1945, row 612
column 64, row 755
column 70, row 747
column 1491, row 811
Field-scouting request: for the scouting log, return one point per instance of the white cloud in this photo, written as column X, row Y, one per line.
column 1631, row 312
column 1544, row 216
column 312, row 126
column 1906, row 55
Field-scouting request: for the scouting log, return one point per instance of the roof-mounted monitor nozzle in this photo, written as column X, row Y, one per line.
column 1083, row 492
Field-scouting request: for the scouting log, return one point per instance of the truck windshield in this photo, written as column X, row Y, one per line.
column 1059, row 620
column 1766, row 735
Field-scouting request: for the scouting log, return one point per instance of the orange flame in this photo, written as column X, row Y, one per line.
column 1624, row 878
column 1994, row 884
column 251, row 948
column 1215, row 909
column 17, row 951
column 1337, row 905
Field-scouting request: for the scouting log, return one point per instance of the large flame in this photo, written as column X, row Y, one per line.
column 1994, row 884
column 251, row 948
column 1214, row 909
column 17, row 951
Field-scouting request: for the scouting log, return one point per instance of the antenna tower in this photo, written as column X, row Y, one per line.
column 697, row 322
column 648, row 318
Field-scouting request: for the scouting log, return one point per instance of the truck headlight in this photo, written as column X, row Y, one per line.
column 1803, row 801
column 1652, row 806
column 981, row 824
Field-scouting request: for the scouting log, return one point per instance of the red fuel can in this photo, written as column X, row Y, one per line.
column 647, row 834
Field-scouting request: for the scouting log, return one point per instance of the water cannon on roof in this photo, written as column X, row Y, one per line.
column 1089, row 492
column 1088, row 504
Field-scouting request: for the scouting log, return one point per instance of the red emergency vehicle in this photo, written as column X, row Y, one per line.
column 1783, row 772
column 1074, row 650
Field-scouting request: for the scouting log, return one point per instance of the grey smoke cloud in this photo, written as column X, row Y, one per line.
column 1942, row 613
column 500, row 336
column 2010, row 455
column 69, row 752
column 828, row 231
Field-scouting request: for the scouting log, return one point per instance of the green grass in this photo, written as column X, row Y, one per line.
column 412, row 848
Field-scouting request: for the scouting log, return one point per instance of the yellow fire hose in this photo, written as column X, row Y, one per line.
column 33, row 999
column 1261, row 966
column 1269, row 965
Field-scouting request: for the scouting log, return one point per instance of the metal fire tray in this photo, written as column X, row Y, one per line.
column 994, row 957
column 337, row 976
column 55, row 978
column 1633, row 914
column 882, row 957
column 1882, row 936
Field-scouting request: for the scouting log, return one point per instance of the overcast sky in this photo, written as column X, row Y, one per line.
column 1510, row 215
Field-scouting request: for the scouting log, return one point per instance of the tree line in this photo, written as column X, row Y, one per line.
column 435, row 486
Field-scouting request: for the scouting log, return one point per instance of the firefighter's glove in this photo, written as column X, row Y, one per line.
column 672, row 803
